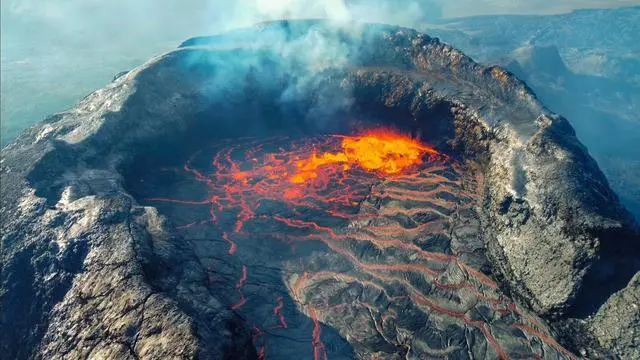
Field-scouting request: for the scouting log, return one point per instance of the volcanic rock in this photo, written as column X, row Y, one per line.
column 617, row 323
column 107, row 254
column 544, row 59
column 588, row 74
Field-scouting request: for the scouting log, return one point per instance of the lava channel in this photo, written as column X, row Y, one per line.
column 348, row 195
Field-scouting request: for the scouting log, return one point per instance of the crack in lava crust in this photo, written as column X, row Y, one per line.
column 343, row 229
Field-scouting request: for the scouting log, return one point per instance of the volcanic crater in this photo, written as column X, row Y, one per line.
column 301, row 189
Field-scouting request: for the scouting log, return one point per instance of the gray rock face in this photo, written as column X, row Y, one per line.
column 617, row 323
column 549, row 240
column 92, row 270
column 87, row 273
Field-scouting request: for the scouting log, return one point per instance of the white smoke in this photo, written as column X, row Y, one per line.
column 60, row 50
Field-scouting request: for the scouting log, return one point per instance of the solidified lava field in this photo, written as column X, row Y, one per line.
column 375, row 235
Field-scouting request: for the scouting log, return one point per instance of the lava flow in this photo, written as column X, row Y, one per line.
column 384, row 152
column 377, row 202
column 309, row 170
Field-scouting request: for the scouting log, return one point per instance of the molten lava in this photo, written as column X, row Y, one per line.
column 383, row 151
column 314, row 190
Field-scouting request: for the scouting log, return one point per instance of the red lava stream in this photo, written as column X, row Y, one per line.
column 330, row 175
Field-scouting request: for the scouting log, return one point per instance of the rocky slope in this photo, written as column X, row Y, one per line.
column 90, row 269
column 583, row 65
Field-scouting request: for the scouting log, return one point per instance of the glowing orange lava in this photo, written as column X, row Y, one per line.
column 310, row 190
column 382, row 151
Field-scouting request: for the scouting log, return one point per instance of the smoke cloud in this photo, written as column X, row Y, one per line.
column 54, row 52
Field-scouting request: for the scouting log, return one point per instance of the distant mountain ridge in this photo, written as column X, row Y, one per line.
column 596, row 42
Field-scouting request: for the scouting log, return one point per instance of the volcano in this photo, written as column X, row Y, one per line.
column 312, row 190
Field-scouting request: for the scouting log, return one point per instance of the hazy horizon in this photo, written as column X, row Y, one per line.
column 54, row 52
